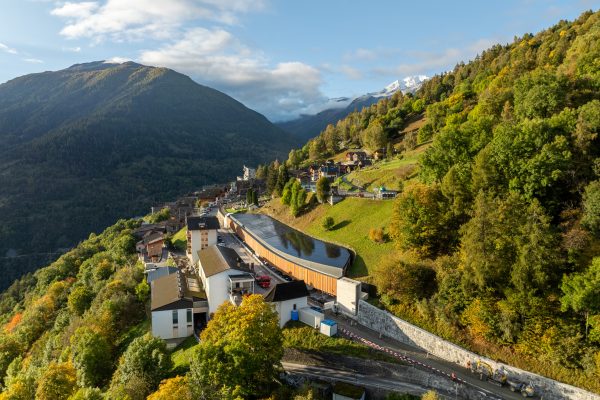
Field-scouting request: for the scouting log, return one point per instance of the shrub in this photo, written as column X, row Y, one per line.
column 328, row 223
column 377, row 235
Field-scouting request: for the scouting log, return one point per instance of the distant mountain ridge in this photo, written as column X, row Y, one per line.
column 309, row 126
column 95, row 142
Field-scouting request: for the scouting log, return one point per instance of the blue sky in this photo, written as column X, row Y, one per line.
column 281, row 58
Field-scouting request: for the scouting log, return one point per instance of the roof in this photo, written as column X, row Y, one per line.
column 159, row 272
column 202, row 223
column 175, row 291
column 287, row 291
column 241, row 277
column 156, row 239
column 330, row 168
column 329, row 322
column 151, row 236
column 295, row 246
column 216, row 259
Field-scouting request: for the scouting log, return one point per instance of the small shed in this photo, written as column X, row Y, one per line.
column 328, row 327
column 311, row 317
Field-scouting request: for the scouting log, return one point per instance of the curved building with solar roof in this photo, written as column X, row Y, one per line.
column 318, row 263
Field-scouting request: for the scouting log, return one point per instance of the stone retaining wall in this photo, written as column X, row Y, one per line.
column 405, row 332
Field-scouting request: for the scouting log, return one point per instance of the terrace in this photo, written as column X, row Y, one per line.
column 240, row 285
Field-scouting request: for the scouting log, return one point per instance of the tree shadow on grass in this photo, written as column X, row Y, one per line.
column 358, row 268
column 340, row 225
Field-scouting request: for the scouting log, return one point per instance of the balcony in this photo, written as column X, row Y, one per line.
column 240, row 285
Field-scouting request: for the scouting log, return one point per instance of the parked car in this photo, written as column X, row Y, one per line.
column 287, row 277
column 264, row 281
column 219, row 239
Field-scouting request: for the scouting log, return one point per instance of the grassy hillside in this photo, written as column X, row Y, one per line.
column 389, row 173
column 353, row 218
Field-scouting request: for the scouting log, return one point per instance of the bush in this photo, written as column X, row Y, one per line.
column 377, row 235
column 425, row 133
column 328, row 223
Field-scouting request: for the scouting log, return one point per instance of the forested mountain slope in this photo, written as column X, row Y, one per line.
column 498, row 236
column 84, row 146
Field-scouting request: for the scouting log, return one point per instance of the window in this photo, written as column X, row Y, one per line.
column 175, row 317
column 189, row 316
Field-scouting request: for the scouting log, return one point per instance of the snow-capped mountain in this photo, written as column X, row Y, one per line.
column 309, row 125
column 410, row 84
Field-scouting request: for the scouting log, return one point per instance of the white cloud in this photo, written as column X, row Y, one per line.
column 212, row 56
column 216, row 58
column 116, row 60
column 139, row 19
column 76, row 10
column 363, row 55
column 33, row 60
column 424, row 61
column 7, row 49
column 72, row 49
column 351, row 72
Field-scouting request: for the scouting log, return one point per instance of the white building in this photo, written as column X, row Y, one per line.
column 287, row 297
column 224, row 276
column 348, row 295
column 249, row 173
column 201, row 233
column 178, row 307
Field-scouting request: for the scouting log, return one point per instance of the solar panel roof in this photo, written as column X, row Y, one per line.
column 294, row 245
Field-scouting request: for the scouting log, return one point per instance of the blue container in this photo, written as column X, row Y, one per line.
column 294, row 315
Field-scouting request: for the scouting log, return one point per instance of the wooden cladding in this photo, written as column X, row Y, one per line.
column 325, row 283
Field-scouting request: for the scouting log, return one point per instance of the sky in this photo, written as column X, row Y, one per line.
column 282, row 58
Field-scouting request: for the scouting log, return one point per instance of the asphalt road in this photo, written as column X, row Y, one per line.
column 368, row 381
column 430, row 362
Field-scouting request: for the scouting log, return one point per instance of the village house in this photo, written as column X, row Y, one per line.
column 151, row 249
column 381, row 193
column 306, row 181
column 210, row 194
column 147, row 236
column 313, row 172
column 379, row 154
column 178, row 306
column 224, row 276
column 154, row 248
column 329, row 171
column 356, row 156
column 201, row 233
column 249, row 174
column 145, row 229
column 286, row 298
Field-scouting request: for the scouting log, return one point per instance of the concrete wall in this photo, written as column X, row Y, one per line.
column 162, row 324
column 398, row 329
column 348, row 293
